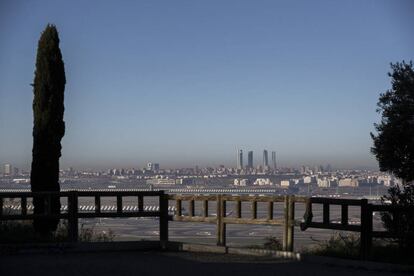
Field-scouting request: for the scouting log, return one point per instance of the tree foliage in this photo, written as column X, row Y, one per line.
column 394, row 150
column 401, row 223
column 49, row 127
column 394, row 142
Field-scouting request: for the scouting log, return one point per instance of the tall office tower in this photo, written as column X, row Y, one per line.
column 7, row 169
column 250, row 159
column 240, row 159
column 153, row 166
column 265, row 159
column 274, row 160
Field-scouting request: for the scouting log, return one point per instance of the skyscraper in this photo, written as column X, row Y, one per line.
column 7, row 169
column 274, row 160
column 240, row 159
column 265, row 159
column 250, row 159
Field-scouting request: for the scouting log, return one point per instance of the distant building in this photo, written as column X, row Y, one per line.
column 240, row 159
column 287, row 183
column 153, row 167
column 299, row 181
column 328, row 168
column 309, row 179
column 333, row 182
column 265, row 160
column 274, row 160
column 7, row 169
column 250, row 159
column 302, row 170
column 323, row 183
column 386, row 180
column 263, row 182
column 164, row 181
column 241, row 182
column 348, row 182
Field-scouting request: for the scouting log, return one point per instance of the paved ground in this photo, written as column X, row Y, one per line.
column 159, row 263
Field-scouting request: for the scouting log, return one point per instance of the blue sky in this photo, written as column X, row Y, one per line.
column 185, row 83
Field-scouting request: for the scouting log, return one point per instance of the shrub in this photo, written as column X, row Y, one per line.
column 339, row 245
column 23, row 231
column 272, row 243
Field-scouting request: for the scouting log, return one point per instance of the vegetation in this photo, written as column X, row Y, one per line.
column 339, row 245
column 49, row 127
column 394, row 150
column 347, row 246
column 401, row 223
column 91, row 235
column 394, row 143
column 272, row 243
column 23, row 231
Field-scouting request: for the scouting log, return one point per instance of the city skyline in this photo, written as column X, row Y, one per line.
column 186, row 85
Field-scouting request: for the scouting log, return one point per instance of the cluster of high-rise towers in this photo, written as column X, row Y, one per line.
column 250, row 164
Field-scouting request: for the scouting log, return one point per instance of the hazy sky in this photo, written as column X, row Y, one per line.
column 185, row 83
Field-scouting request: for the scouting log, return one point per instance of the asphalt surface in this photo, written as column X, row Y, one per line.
column 165, row 263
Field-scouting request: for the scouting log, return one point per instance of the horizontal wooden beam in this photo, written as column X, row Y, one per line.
column 82, row 215
column 232, row 220
column 334, row 226
column 194, row 219
column 32, row 216
column 192, row 197
column 81, row 193
column 335, row 201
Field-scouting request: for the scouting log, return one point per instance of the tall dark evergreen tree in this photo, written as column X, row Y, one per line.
column 394, row 144
column 49, row 127
column 394, row 149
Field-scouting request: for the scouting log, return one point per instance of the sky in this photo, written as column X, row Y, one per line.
column 186, row 83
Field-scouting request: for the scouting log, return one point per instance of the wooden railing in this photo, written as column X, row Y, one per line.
column 365, row 227
column 221, row 219
column 73, row 214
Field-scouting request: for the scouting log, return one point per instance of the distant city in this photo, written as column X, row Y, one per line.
column 304, row 180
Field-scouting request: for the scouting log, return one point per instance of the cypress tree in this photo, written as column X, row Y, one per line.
column 49, row 127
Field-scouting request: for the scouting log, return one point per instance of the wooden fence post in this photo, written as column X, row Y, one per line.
column 238, row 208
column 24, row 205
column 191, row 208
column 326, row 213
column 270, row 210
column 221, row 227
column 254, row 209
column 140, row 203
column 178, row 207
column 344, row 214
column 205, row 208
column 73, row 216
column 291, row 223
column 366, row 229
column 286, row 223
column 163, row 220
column 97, row 204
column 119, row 204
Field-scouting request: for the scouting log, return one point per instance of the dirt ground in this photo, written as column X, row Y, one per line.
column 164, row 263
